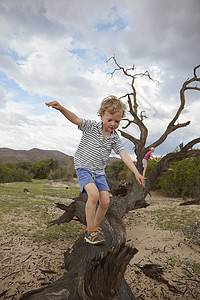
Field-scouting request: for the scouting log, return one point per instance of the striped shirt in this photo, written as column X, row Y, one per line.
column 93, row 151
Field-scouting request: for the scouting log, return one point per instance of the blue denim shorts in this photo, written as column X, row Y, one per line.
column 85, row 177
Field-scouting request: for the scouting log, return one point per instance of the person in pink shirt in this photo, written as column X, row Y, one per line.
column 146, row 158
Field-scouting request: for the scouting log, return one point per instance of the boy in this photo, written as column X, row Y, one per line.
column 97, row 141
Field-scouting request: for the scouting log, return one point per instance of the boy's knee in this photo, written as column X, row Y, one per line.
column 93, row 196
column 105, row 203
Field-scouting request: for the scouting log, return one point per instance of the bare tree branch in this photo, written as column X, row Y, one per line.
column 172, row 127
column 133, row 107
column 135, row 141
column 189, row 145
column 140, row 149
column 195, row 70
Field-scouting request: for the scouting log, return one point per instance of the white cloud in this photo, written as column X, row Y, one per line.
column 3, row 98
column 58, row 50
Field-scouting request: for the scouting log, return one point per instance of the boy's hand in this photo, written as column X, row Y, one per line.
column 67, row 113
column 140, row 179
column 54, row 104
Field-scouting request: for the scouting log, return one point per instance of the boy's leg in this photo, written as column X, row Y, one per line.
column 90, row 207
column 92, row 235
column 86, row 182
column 102, row 208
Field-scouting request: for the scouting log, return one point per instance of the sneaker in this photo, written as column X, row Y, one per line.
column 101, row 233
column 94, row 237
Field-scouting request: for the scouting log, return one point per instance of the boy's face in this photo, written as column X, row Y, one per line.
column 111, row 122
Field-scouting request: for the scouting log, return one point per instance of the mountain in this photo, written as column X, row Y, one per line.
column 33, row 155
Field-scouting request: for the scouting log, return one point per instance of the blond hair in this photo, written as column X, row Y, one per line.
column 112, row 104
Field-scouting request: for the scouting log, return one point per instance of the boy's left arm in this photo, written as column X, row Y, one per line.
column 128, row 161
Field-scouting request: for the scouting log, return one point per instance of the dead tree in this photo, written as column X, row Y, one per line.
column 97, row 272
column 137, row 119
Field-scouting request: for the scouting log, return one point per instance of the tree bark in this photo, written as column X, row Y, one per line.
column 92, row 272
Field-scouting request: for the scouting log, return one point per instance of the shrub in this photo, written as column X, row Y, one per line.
column 9, row 172
column 184, row 183
column 117, row 170
column 62, row 174
column 42, row 168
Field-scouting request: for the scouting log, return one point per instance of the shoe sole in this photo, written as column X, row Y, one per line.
column 94, row 243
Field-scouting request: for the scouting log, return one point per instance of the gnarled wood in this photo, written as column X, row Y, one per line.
column 92, row 272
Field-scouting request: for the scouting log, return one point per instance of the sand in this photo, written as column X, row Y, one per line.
column 155, row 272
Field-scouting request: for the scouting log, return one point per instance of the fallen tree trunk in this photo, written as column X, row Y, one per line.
column 92, row 272
column 191, row 202
column 95, row 271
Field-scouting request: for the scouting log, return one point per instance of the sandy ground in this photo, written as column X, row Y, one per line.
column 155, row 272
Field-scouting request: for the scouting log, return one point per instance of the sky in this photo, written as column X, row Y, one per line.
column 60, row 50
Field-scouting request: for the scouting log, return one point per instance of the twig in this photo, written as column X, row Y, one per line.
column 26, row 258
column 179, row 244
column 10, row 274
column 48, row 271
column 3, row 293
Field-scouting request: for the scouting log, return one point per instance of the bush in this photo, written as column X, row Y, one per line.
column 25, row 170
column 186, row 183
column 9, row 172
column 42, row 168
column 25, row 165
column 62, row 174
column 117, row 170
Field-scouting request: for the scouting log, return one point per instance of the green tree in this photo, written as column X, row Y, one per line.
column 10, row 172
column 113, row 169
column 52, row 163
column 41, row 170
column 124, row 174
column 26, row 166
column 62, row 174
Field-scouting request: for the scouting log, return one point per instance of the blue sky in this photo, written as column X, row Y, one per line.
column 59, row 50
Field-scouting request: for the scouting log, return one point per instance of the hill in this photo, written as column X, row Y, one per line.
column 33, row 155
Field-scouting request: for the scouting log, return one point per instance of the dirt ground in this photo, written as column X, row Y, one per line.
column 155, row 272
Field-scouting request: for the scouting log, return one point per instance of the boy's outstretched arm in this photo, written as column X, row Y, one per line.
column 67, row 113
column 128, row 161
